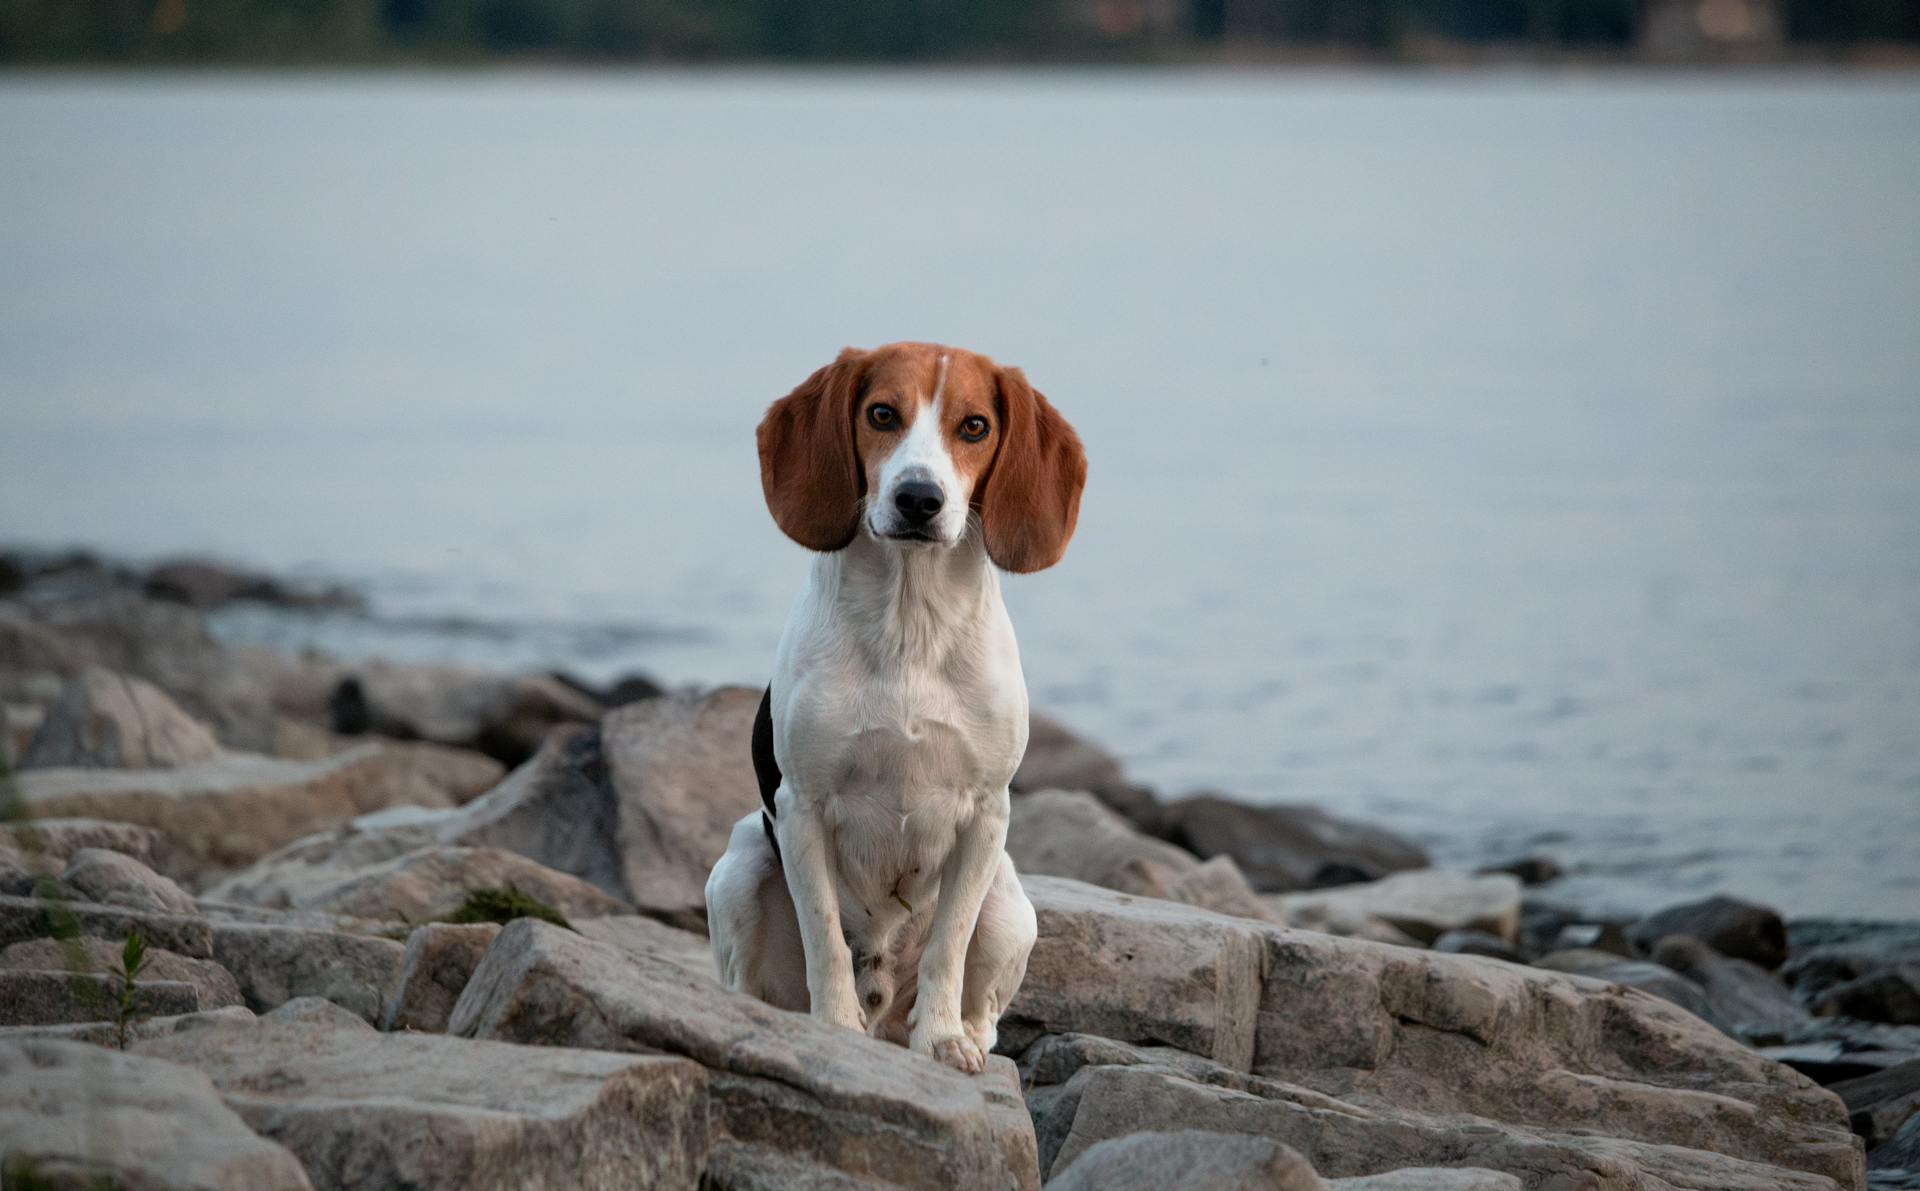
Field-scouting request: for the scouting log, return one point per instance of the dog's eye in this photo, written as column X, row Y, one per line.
column 974, row 429
column 883, row 417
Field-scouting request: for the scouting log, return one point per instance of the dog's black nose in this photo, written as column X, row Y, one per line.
column 918, row 501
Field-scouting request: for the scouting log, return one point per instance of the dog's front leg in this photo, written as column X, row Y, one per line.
column 816, row 902
column 964, row 881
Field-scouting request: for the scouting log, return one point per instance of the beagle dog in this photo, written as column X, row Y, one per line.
column 874, row 889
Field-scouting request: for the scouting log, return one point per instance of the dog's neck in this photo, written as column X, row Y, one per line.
column 914, row 603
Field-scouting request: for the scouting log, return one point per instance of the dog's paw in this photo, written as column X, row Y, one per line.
column 842, row 1011
column 955, row 1050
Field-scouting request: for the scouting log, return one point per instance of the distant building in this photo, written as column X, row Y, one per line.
column 1690, row 30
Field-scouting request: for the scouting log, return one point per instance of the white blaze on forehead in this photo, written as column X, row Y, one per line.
column 922, row 455
column 940, row 382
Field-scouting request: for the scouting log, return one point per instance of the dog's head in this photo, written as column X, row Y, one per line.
column 908, row 441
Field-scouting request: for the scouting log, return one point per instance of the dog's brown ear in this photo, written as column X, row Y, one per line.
column 1031, row 498
column 809, row 469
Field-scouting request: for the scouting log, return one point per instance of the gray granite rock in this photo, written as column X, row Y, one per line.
column 114, row 879
column 1732, row 927
column 425, row 883
column 1424, row 904
column 274, row 964
column 440, row 959
column 75, row 1115
column 117, row 721
column 214, row 987
column 363, row 1109
column 1187, row 1160
column 1371, row 1058
column 224, row 814
column 1061, row 833
column 830, row 1099
column 1286, row 848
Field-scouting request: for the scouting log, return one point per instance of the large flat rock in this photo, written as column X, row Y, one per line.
column 1343, row 1139
column 640, row 806
column 425, row 883
column 1063, row 833
column 224, row 814
column 1139, row 970
column 834, row 1102
column 363, row 1109
column 76, row 1115
column 1429, row 1048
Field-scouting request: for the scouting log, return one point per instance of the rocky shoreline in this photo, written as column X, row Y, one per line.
column 428, row 926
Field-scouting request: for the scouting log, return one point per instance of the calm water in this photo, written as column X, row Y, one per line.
column 1524, row 461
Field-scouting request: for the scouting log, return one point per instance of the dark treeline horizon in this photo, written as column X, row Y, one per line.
column 264, row 32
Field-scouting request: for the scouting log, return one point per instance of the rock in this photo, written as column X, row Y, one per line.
column 24, row 873
column 1424, row 904
column 104, row 719
column 1188, row 1160
column 1898, row 1154
column 1532, row 870
column 75, row 1115
column 24, row 918
column 1009, row 1121
column 1477, row 942
column 107, row 1033
column 35, row 661
column 1370, row 1059
column 683, row 773
column 1432, row 1178
column 1880, row 1103
column 275, row 964
column 1593, row 936
column 1059, row 833
column 364, row 1109
column 830, row 1099
column 1890, row 995
column 1285, row 848
column 213, row 986
column 425, row 884
column 1832, row 1050
column 505, row 716
column 169, row 646
column 224, row 814
column 1218, row 885
column 637, row 807
column 1644, row 975
column 1734, row 928
column 113, row 879
column 1830, row 952
column 1747, row 1001
column 1138, row 970
column 683, row 949
column 439, row 960
column 41, row 998
column 1347, row 1140
column 1547, row 926
column 628, row 688
column 1057, row 758
column 207, row 585
column 57, row 839
column 559, row 809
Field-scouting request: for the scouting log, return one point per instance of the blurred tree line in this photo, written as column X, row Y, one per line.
column 341, row 31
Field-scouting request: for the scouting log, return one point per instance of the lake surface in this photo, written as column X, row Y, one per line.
column 1523, row 461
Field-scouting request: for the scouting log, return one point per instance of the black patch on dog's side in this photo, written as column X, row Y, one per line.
column 765, row 767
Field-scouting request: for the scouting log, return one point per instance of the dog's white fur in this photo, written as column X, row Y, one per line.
column 899, row 716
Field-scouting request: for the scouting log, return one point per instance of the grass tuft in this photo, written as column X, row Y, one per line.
column 504, row 905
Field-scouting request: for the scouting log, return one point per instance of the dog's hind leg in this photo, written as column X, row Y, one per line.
column 751, row 922
column 1003, row 937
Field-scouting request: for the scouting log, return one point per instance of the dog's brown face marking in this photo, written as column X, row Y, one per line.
column 905, row 382
column 825, row 446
